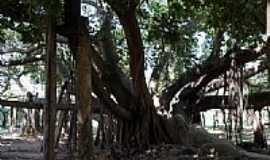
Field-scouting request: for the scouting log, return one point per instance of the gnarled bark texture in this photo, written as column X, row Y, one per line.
column 85, row 89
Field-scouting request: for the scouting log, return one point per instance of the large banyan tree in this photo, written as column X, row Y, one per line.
column 107, row 58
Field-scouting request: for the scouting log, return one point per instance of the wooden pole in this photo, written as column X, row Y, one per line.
column 268, row 18
column 72, row 18
column 62, row 115
column 50, row 109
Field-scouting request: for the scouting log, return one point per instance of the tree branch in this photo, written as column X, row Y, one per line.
column 210, row 71
column 247, row 74
column 22, row 61
column 103, row 94
column 22, row 50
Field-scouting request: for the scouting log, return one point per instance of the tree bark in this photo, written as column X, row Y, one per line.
column 84, row 90
column 145, row 126
column 49, row 126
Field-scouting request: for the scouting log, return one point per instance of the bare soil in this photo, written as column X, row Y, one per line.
column 24, row 148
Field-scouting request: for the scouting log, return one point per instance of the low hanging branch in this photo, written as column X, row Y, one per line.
column 247, row 74
column 210, row 71
column 22, row 50
column 24, row 61
column 31, row 105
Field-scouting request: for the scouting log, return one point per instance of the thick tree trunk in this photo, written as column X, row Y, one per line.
column 144, row 128
column 145, row 124
column 50, row 109
column 80, row 46
column 85, row 89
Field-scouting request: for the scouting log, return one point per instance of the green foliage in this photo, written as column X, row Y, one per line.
column 169, row 30
column 22, row 29
column 121, row 48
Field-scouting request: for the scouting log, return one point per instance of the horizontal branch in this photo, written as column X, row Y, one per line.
column 24, row 61
column 32, row 105
column 255, row 101
column 247, row 74
column 210, row 70
column 22, row 50
column 40, row 105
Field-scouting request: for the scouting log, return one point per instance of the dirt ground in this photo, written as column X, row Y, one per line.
column 15, row 147
column 24, row 148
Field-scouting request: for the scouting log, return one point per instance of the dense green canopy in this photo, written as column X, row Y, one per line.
column 178, row 35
